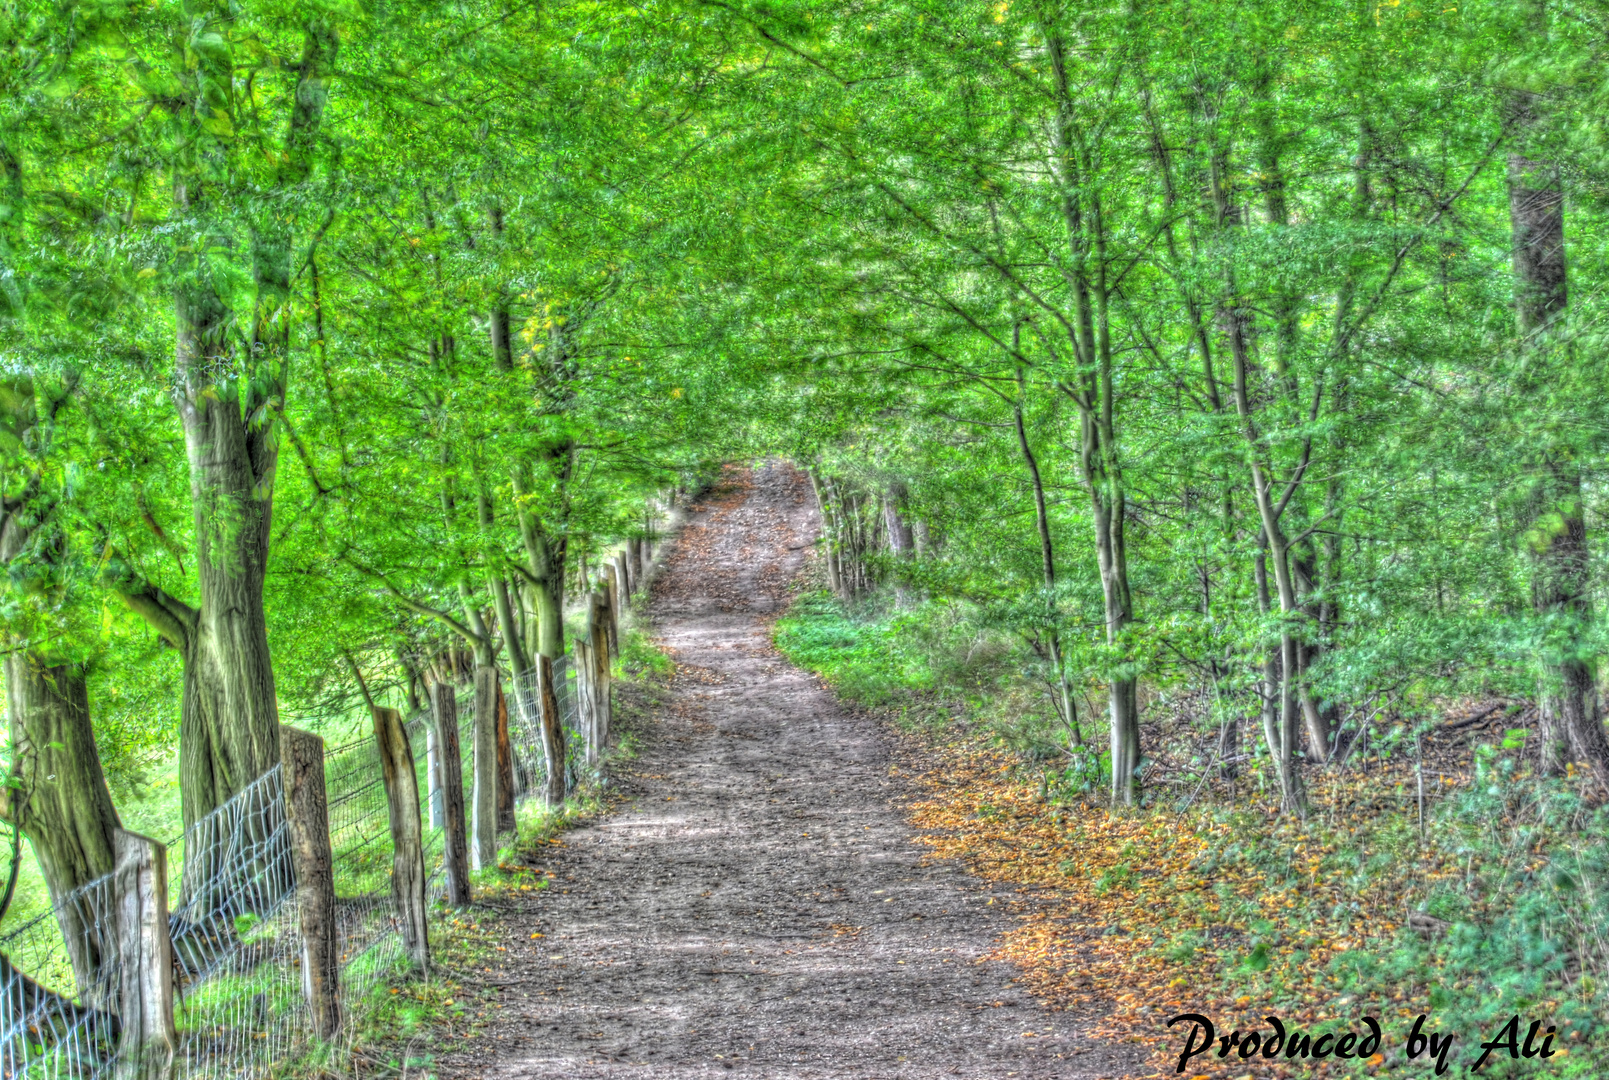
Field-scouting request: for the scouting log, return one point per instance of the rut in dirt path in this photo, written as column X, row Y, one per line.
column 758, row 906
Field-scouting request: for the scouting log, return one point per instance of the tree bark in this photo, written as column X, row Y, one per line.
column 500, row 330
column 505, row 767
column 407, row 835
column 308, row 820
column 146, row 1036
column 1047, row 558
column 455, row 832
column 552, row 734
column 483, row 817
column 227, row 405
column 602, row 668
column 612, row 591
column 60, row 801
column 545, row 552
column 829, row 533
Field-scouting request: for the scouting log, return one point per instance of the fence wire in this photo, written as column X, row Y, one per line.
column 58, row 1021
column 235, row 924
column 525, row 731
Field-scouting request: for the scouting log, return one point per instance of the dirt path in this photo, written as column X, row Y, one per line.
column 758, row 907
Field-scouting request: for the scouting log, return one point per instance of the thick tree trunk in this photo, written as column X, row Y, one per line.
column 58, row 798
column 229, row 721
column 56, row 792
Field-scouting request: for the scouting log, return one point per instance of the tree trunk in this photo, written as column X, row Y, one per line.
column 828, row 536
column 545, row 559
column 900, row 540
column 408, row 876
column 56, row 792
column 227, row 405
column 1047, row 558
column 499, row 328
column 449, row 763
column 483, row 797
column 552, row 734
column 59, row 799
column 1294, row 701
column 1094, row 391
column 308, row 825
column 1278, row 731
column 1557, row 538
column 505, row 767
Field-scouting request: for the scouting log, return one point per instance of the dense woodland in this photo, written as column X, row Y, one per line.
column 1247, row 356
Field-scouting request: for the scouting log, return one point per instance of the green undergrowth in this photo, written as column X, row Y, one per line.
column 640, row 658
column 926, row 667
column 403, row 1024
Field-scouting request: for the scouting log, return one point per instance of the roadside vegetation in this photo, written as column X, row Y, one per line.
column 1205, row 899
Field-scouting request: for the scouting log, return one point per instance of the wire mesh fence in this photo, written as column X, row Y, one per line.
column 56, row 1020
column 530, row 757
column 234, row 926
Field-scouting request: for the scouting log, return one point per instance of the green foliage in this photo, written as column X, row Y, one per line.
column 640, row 657
column 866, row 659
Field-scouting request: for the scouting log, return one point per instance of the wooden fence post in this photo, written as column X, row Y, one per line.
column 433, row 774
column 483, row 799
column 552, row 732
column 145, row 958
column 627, row 585
column 455, row 841
column 611, row 587
column 505, row 766
column 301, row 754
column 602, row 673
column 585, row 715
column 407, row 834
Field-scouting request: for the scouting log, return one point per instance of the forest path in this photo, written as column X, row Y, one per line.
column 758, row 906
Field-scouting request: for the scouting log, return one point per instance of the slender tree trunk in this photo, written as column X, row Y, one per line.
column 1094, row 392
column 900, row 541
column 829, row 536
column 1047, row 557
column 1278, row 733
column 1294, row 703
column 498, row 323
column 545, row 558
